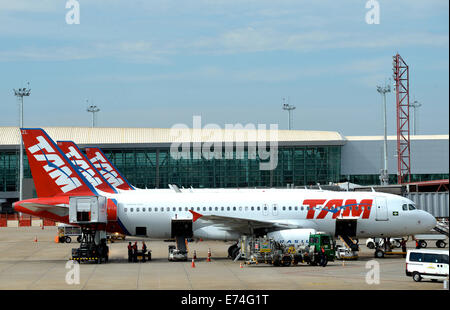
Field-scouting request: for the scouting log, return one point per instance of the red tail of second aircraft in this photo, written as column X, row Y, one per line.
column 53, row 174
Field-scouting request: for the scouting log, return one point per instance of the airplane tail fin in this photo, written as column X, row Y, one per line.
column 87, row 169
column 53, row 173
column 107, row 169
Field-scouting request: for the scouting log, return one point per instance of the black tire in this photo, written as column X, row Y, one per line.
column 68, row 240
column 235, row 253
column 371, row 245
column 79, row 239
column 379, row 254
column 423, row 244
column 440, row 244
column 324, row 261
column 231, row 249
column 416, row 276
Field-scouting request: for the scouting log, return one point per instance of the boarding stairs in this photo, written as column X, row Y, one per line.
column 442, row 227
column 349, row 242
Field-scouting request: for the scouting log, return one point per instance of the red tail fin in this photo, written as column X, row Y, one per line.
column 87, row 169
column 52, row 172
column 107, row 169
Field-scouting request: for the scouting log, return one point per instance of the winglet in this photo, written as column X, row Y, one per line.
column 195, row 215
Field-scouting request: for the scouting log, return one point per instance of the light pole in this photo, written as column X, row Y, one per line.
column 289, row 108
column 20, row 93
column 415, row 105
column 93, row 109
column 384, row 176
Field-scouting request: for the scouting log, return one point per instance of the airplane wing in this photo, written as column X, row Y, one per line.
column 38, row 208
column 247, row 226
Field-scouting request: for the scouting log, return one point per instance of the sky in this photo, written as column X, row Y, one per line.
column 157, row 63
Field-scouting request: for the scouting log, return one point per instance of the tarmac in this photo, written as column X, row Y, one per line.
column 43, row 265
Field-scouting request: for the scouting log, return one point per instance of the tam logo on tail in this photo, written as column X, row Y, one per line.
column 85, row 170
column 106, row 170
column 53, row 173
column 55, row 166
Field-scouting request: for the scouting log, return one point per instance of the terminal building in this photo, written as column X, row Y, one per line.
column 215, row 158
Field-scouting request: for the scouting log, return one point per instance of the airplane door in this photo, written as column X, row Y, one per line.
column 265, row 209
column 382, row 210
column 274, row 209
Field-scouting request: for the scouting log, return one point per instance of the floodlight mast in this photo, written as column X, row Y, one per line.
column 289, row 108
column 93, row 109
column 20, row 93
column 415, row 105
column 384, row 177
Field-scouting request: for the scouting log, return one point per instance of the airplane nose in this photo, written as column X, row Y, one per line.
column 427, row 220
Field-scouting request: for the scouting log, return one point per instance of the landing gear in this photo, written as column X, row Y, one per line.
column 233, row 251
column 440, row 244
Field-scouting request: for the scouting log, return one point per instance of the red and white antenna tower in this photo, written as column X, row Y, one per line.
column 401, row 78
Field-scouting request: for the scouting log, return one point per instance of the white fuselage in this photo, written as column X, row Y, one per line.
column 155, row 210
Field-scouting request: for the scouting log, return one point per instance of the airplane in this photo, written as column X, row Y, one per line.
column 222, row 215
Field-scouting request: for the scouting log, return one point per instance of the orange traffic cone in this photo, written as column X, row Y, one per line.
column 193, row 264
column 35, row 238
column 242, row 266
column 208, row 259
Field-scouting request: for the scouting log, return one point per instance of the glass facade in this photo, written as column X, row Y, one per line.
column 156, row 168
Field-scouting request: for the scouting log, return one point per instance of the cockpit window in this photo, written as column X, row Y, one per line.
column 405, row 207
column 411, row 207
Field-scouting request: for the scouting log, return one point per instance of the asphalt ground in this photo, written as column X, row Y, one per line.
column 42, row 265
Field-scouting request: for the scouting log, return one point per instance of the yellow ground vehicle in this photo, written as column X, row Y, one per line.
column 116, row 236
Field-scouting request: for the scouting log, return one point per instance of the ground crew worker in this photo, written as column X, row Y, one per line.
column 130, row 252
column 135, row 252
column 323, row 257
column 144, row 249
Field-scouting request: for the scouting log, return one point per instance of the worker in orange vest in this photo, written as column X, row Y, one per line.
column 130, row 252
column 135, row 251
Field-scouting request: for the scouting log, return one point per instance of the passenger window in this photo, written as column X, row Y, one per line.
column 302, row 208
column 167, row 209
column 405, row 207
column 180, row 209
column 156, row 209
column 143, row 209
column 284, row 208
column 204, row 208
column 252, row 208
column 290, row 208
column 198, row 208
column 411, row 207
column 275, row 208
column 246, row 208
column 131, row 209
column 124, row 209
column 186, row 209
column 228, row 208
column 296, row 208
column 216, row 208
column 174, row 209
column 265, row 208
column 234, row 208
column 431, row 258
column 210, row 209
column 222, row 208
column 416, row 257
column 137, row 209
column 258, row 208
column 240, row 208
column 149, row 209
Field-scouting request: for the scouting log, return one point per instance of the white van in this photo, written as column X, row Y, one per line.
column 427, row 264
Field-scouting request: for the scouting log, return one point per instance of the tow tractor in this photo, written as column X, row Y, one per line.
column 386, row 248
column 318, row 251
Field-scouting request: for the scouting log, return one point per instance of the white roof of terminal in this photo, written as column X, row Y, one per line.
column 412, row 137
column 99, row 135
